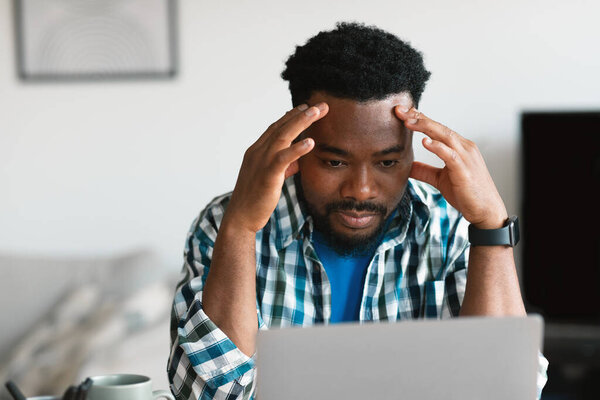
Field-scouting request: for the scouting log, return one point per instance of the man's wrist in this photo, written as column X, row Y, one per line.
column 229, row 228
column 495, row 222
column 236, row 232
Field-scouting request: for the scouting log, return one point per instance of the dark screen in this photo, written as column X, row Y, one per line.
column 561, row 209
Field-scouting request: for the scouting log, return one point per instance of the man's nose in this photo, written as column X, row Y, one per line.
column 359, row 185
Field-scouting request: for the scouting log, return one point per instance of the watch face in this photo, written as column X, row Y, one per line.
column 513, row 230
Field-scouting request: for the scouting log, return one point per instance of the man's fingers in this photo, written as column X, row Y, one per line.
column 425, row 173
column 417, row 121
column 446, row 153
column 277, row 124
column 288, row 115
column 295, row 126
column 292, row 169
column 284, row 158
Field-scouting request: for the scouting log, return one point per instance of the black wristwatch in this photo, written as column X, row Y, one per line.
column 508, row 235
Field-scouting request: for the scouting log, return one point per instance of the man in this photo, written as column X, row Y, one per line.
column 324, row 224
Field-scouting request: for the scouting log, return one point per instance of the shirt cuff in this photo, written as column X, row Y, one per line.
column 542, row 375
column 214, row 357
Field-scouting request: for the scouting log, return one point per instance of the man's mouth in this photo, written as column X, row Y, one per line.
column 355, row 220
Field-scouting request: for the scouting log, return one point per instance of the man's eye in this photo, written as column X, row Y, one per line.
column 334, row 163
column 388, row 163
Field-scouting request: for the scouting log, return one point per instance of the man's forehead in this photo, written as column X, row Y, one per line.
column 403, row 98
column 350, row 119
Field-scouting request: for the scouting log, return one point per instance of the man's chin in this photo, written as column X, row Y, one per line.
column 354, row 242
column 356, row 236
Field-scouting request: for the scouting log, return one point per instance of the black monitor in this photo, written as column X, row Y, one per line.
column 561, row 215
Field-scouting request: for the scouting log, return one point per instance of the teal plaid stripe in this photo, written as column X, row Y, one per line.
column 418, row 271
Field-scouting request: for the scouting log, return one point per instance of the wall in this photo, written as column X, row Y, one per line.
column 95, row 168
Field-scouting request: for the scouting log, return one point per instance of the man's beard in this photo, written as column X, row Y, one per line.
column 344, row 245
column 359, row 245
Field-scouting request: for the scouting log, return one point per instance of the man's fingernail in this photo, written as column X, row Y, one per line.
column 312, row 111
column 403, row 109
column 412, row 121
column 303, row 107
column 321, row 106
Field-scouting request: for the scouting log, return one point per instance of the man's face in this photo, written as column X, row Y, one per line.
column 357, row 173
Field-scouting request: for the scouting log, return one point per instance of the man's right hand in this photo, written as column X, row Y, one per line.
column 267, row 163
column 229, row 297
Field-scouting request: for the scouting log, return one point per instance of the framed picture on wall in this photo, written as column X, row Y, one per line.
column 95, row 39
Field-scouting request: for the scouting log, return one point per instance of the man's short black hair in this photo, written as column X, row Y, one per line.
column 356, row 62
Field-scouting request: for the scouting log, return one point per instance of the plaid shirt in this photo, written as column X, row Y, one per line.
column 418, row 271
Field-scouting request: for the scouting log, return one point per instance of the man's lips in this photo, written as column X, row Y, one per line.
column 355, row 220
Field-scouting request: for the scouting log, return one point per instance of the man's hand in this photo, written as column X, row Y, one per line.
column 464, row 181
column 492, row 284
column 229, row 297
column 267, row 163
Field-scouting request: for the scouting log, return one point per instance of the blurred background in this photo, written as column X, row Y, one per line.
column 106, row 156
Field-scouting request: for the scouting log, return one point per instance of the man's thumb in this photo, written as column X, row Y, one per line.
column 425, row 173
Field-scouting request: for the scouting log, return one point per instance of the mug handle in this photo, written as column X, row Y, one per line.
column 162, row 393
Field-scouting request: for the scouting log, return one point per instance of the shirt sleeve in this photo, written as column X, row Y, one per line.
column 542, row 374
column 456, row 262
column 203, row 363
column 455, row 282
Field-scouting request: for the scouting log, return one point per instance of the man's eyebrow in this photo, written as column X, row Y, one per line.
column 394, row 149
column 341, row 152
column 332, row 149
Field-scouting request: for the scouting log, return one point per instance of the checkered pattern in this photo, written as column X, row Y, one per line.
column 418, row 271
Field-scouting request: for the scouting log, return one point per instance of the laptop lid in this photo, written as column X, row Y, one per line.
column 463, row 358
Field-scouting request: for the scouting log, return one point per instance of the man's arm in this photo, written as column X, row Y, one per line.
column 492, row 284
column 229, row 297
column 203, row 362
column 214, row 319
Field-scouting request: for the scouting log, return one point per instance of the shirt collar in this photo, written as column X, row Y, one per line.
column 292, row 220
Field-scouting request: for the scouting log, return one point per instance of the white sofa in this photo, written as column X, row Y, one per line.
column 63, row 319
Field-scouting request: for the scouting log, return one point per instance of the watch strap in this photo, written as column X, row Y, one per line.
column 508, row 235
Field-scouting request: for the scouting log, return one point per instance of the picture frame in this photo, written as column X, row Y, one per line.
column 74, row 40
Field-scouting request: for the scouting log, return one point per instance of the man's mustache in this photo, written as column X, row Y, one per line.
column 351, row 205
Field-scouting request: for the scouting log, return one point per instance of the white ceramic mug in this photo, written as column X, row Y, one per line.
column 44, row 398
column 124, row 387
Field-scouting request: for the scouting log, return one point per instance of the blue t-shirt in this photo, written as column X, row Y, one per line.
column 346, row 276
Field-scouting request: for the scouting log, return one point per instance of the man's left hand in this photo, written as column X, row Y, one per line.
column 464, row 180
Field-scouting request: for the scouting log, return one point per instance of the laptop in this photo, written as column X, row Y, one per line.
column 468, row 358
